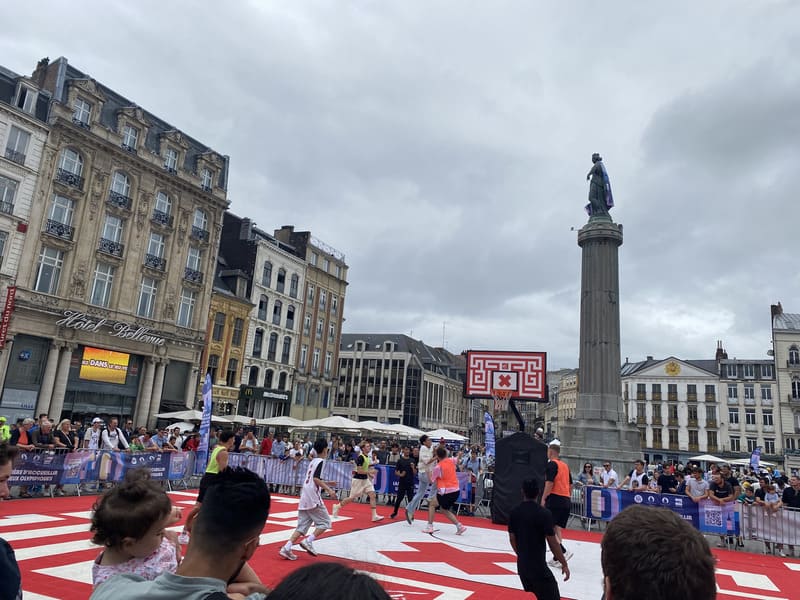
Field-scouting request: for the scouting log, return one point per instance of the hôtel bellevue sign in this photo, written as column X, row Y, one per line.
column 83, row 322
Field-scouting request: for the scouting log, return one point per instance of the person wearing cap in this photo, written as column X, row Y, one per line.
column 5, row 431
column 91, row 438
column 361, row 484
column 557, row 494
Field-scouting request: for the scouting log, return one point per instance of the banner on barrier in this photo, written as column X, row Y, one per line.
column 37, row 468
column 705, row 516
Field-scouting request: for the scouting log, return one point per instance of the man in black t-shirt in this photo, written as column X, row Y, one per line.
column 668, row 483
column 721, row 492
column 529, row 525
column 404, row 469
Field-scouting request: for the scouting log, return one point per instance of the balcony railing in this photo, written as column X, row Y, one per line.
column 111, row 247
column 672, row 396
column 656, row 396
column 672, row 421
column 751, row 427
column 711, row 449
column 711, row 397
column 769, row 428
column 59, row 229
column 205, row 188
column 692, row 422
column 169, row 169
column 641, row 396
column 199, row 234
column 192, row 276
column 80, row 123
column 7, row 208
column 691, row 397
column 127, row 148
column 162, row 218
column 119, row 200
column 791, row 364
column 733, row 400
column 69, row 178
column 14, row 156
column 674, row 447
column 766, row 401
column 155, row 262
column 656, row 420
column 749, row 401
column 711, row 423
column 640, row 420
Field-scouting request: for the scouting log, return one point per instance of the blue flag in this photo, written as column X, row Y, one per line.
column 488, row 429
column 205, row 428
column 755, row 458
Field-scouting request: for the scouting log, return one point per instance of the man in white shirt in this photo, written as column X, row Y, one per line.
column 91, row 439
column 427, row 460
column 112, row 437
column 609, row 475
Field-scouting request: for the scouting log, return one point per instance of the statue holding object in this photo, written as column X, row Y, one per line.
column 600, row 198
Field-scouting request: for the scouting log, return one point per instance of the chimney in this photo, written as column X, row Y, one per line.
column 649, row 358
column 776, row 309
column 721, row 354
column 40, row 72
column 245, row 229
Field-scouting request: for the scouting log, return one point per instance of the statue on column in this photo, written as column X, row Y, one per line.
column 600, row 197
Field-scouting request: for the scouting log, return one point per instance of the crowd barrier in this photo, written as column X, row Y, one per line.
column 780, row 527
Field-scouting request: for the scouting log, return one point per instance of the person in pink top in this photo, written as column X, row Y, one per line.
column 445, row 482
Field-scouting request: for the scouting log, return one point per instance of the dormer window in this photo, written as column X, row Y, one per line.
column 26, row 100
column 130, row 136
column 206, row 180
column 81, row 112
column 171, row 160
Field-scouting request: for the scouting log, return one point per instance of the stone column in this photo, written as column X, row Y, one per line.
column 158, row 387
column 48, row 380
column 191, row 389
column 5, row 354
column 60, row 385
column 145, row 393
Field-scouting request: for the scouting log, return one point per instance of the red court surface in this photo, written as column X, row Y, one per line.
column 50, row 537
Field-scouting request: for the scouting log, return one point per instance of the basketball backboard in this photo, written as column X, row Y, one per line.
column 524, row 373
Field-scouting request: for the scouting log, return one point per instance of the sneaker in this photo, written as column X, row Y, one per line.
column 377, row 518
column 461, row 529
column 287, row 554
column 781, row 553
column 428, row 529
column 393, row 515
column 336, row 508
column 308, row 547
column 183, row 538
column 409, row 517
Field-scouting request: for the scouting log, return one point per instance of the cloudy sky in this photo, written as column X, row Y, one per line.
column 443, row 147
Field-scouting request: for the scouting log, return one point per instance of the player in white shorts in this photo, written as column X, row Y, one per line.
column 361, row 484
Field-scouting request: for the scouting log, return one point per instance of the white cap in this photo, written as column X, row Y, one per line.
column 357, row 450
column 555, row 442
column 97, row 420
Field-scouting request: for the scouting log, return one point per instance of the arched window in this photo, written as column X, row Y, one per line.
column 273, row 346
column 71, row 161
column 268, row 378
column 258, row 342
column 282, row 381
column 121, row 184
column 294, row 283
column 252, row 380
column 290, row 317
column 262, row 307
column 794, row 355
column 281, row 282
column 266, row 275
column 795, row 388
column 287, row 348
column 277, row 312
column 163, row 203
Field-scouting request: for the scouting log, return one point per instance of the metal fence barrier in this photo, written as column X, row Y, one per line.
column 773, row 528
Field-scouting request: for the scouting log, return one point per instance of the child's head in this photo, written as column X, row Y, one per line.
column 749, row 491
column 771, row 488
column 132, row 516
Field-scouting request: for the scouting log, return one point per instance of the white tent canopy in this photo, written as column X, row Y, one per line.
column 708, row 458
column 376, row 427
column 282, row 421
column 437, row 434
column 334, row 422
column 746, row 462
column 190, row 415
column 183, row 426
column 405, row 430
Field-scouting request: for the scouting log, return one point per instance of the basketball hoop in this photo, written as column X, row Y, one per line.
column 501, row 398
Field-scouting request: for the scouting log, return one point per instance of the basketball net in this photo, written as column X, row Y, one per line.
column 501, row 398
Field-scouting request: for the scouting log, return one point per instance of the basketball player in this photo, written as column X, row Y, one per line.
column 557, row 494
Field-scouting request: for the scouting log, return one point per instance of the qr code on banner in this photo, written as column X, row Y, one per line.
column 713, row 517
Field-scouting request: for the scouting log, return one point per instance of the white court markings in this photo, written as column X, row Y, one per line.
column 445, row 592
column 79, row 571
column 32, row 519
column 13, row 536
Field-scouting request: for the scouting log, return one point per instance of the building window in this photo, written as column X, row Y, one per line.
column 206, row 179
column 266, row 274
column 310, row 296
column 130, row 136
column 282, row 381
column 673, row 437
column 328, row 363
column 219, row 327
column 258, row 342
column 767, row 417
column 673, row 412
column 49, row 270
column 290, row 317
column 3, row 240
column 155, row 246
column 331, row 333
column 238, row 330
column 767, row 372
column 692, row 412
column 281, row 282
column 693, row 439
column 730, row 370
column 121, row 184
column 8, row 191
column 736, row 444
column 263, row 301
column 26, row 99
column 656, row 413
column 194, row 258
column 272, row 349
column 658, row 439
column 213, row 365
column 287, row 348
column 112, row 229
column 17, row 145
column 749, row 371
column 752, row 444
column 300, row 397
column 323, row 299
column 749, row 416
column 338, row 272
column 711, row 414
column 163, row 203
column 749, row 391
column 334, row 305
column 200, row 220
column 733, row 416
column 314, row 258
column 268, row 378
column 733, row 392
column 711, row 392
column 294, row 282
column 691, row 391
column 147, row 298
column 303, row 357
column 101, row 287
column 711, row 437
column 640, row 412
column 71, row 162
column 769, row 446
column 794, row 356
column 320, row 325
column 307, row 325
column 766, row 392
column 171, row 160
column 315, row 361
column 672, row 392
column 326, row 265
column 81, row 111
column 277, row 310
column 230, row 375
column 252, row 378
column 795, row 388
column 186, row 308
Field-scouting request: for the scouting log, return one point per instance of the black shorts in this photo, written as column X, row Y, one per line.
column 559, row 507
column 205, row 482
column 446, row 501
column 543, row 587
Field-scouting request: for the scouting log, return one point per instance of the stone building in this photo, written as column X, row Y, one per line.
column 276, row 279
column 114, row 292
column 786, row 349
column 396, row 379
column 567, row 396
column 321, row 323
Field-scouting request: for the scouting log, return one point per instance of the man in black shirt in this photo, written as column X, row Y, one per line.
column 404, row 469
column 529, row 525
column 667, row 483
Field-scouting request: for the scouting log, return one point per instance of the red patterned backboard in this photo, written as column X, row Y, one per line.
column 531, row 367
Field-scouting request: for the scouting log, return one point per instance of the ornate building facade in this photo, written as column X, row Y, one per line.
column 114, row 293
column 786, row 349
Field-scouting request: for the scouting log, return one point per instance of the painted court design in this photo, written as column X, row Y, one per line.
column 50, row 538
